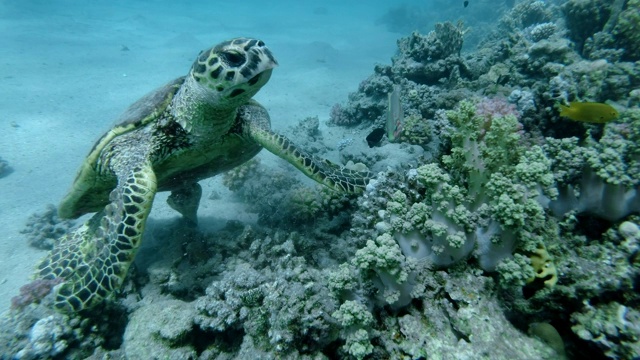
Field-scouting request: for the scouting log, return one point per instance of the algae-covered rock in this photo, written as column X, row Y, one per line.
column 158, row 330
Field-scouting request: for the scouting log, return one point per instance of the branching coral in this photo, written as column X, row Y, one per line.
column 276, row 298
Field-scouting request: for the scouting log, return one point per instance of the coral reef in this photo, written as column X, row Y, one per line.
column 542, row 31
column 603, row 177
column 423, row 60
column 594, row 302
column 33, row 292
column 235, row 178
column 35, row 331
column 585, row 18
column 44, row 228
column 529, row 54
column 627, row 32
column 488, row 194
column 158, row 330
column 308, row 133
column 613, row 327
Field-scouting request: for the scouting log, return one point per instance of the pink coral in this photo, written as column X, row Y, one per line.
column 339, row 116
column 34, row 292
column 491, row 108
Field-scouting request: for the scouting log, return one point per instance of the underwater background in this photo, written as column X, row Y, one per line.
column 500, row 220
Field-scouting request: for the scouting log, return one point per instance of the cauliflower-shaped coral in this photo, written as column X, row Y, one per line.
column 355, row 319
column 489, row 193
column 601, row 178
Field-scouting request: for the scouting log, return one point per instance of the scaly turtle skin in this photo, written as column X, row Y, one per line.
column 191, row 129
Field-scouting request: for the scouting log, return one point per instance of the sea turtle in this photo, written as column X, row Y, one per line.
column 193, row 128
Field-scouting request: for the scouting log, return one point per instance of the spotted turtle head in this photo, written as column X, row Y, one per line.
column 234, row 70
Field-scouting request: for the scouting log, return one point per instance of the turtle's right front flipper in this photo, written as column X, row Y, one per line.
column 93, row 260
column 321, row 170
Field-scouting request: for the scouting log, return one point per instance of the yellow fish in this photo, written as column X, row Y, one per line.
column 590, row 112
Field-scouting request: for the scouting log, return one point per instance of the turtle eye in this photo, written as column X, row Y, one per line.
column 233, row 58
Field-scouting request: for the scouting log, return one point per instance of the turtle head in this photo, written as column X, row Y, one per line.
column 234, row 70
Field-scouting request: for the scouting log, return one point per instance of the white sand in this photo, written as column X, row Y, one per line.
column 65, row 80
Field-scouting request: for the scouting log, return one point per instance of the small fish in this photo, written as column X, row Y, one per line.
column 374, row 138
column 466, row 3
column 395, row 115
column 550, row 336
column 590, row 112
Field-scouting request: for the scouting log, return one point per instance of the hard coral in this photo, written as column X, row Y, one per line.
column 444, row 41
column 527, row 13
column 584, row 18
column 627, row 31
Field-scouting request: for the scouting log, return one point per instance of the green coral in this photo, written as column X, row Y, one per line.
column 612, row 326
column 616, row 156
column 568, row 158
column 481, row 146
column 489, row 157
column 599, row 176
column 355, row 318
column 515, row 272
column 490, row 189
column 416, row 130
column 305, row 203
column 382, row 256
column 353, row 313
column 358, row 344
column 343, row 279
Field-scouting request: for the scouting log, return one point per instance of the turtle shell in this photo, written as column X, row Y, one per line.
column 91, row 188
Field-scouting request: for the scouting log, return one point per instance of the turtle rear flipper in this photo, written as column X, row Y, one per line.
column 93, row 261
column 321, row 170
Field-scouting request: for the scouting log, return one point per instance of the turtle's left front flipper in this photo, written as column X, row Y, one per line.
column 321, row 170
column 92, row 261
